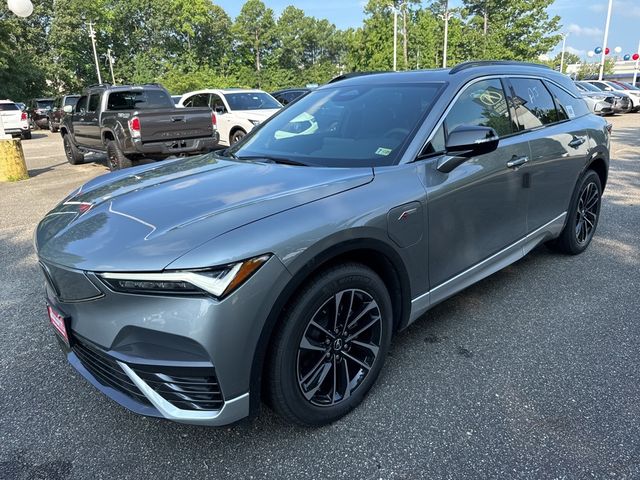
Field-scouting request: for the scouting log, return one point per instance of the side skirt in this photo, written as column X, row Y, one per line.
column 486, row 267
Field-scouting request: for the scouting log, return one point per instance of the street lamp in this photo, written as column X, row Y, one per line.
column 445, row 17
column 564, row 42
column 606, row 38
column 22, row 8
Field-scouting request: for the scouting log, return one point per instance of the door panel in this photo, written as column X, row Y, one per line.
column 479, row 208
column 91, row 126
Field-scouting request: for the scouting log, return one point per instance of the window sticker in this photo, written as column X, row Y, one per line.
column 383, row 151
column 570, row 111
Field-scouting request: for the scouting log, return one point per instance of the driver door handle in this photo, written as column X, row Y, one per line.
column 576, row 142
column 517, row 161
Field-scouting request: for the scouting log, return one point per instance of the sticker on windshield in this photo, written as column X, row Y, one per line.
column 383, row 151
column 570, row 111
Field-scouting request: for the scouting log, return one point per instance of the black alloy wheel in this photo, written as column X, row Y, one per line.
column 587, row 213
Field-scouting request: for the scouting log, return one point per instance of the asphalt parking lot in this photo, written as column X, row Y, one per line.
column 532, row 373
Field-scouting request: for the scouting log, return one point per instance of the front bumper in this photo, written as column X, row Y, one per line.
column 150, row 353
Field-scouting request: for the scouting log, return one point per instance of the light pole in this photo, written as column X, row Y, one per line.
column 445, row 17
column 564, row 42
column 635, row 70
column 606, row 38
column 92, row 35
column 395, row 38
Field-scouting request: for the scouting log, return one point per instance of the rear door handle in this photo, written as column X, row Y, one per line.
column 177, row 119
column 576, row 142
column 517, row 161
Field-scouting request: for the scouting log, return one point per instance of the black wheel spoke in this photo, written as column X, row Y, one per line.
column 342, row 337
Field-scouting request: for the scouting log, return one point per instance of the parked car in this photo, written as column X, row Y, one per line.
column 131, row 122
column 21, row 106
column 599, row 103
column 238, row 111
column 14, row 120
column 607, row 86
column 284, row 264
column 38, row 111
column 626, row 85
column 288, row 95
column 57, row 112
column 622, row 103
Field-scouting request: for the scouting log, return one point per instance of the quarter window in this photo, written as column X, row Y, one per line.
column 532, row 103
column 568, row 106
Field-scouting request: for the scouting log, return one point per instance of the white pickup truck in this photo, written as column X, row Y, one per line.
column 13, row 120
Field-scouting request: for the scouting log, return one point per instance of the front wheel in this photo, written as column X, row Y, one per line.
column 237, row 136
column 583, row 216
column 74, row 156
column 331, row 345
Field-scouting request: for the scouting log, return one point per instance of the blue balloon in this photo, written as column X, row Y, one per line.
column 627, row 57
column 598, row 50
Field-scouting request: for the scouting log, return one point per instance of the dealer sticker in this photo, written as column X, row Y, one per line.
column 570, row 111
column 383, row 151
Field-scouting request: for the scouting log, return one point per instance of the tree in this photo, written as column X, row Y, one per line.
column 254, row 31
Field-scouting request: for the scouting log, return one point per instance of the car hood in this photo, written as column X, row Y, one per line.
column 255, row 114
column 143, row 218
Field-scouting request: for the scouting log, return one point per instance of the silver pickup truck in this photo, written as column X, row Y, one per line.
column 130, row 123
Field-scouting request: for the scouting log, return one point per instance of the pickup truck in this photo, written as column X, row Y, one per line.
column 130, row 123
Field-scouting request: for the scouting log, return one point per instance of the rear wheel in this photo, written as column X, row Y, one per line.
column 331, row 345
column 115, row 158
column 583, row 216
column 26, row 135
column 237, row 136
column 74, row 156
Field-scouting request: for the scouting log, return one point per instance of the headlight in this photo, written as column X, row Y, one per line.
column 255, row 122
column 217, row 281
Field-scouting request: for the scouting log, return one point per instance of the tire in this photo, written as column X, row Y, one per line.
column 304, row 359
column 583, row 216
column 26, row 135
column 236, row 136
column 116, row 160
column 52, row 129
column 74, row 156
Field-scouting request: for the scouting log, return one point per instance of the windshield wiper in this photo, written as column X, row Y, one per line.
column 284, row 161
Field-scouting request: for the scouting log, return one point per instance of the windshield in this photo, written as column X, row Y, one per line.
column 139, row 100
column 71, row 100
column 344, row 126
column 251, row 101
column 628, row 86
column 588, row 86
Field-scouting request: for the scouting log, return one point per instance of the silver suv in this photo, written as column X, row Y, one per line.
column 281, row 267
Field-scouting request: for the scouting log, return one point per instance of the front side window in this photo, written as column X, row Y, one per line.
column 70, row 101
column 482, row 104
column 251, row 101
column 532, row 103
column 81, row 106
column 344, row 126
column 216, row 103
column 94, row 100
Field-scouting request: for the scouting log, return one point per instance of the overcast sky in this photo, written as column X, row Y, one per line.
column 584, row 20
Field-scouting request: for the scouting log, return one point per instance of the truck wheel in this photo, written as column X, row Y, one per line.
column 52, row 128
column 74, row 156
column 237, row 136
column 115, row 158
column 26, row 135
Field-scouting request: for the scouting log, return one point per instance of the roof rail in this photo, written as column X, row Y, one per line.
column 485, row 63
column 103, row 84
column 345, row 76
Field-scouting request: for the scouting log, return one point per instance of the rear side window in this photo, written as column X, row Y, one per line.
column 199, row 100
column 482, row 104
column 532, row 103
column 8, row 106
column 139, row 100
column 94, row 101
column 568, row 106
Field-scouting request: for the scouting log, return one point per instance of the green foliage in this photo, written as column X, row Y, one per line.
column 592, row 70
column 192, row 44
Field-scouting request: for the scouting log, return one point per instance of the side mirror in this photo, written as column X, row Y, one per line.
column 467, row 141
column 67, row 109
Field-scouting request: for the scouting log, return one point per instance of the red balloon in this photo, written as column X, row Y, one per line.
column 606, row 51
column 635, row 56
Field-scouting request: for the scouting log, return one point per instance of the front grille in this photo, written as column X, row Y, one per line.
column 106, row 370
column 185, row 391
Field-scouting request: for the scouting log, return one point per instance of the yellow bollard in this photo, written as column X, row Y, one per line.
column 12, row 164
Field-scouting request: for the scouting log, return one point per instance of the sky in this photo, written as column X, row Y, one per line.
column 583, row 20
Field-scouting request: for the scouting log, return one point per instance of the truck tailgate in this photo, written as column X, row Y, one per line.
column 174, row 124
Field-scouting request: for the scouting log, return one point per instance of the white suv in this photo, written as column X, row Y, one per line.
column 607, row 86
column 237, row 110
column 14, row 120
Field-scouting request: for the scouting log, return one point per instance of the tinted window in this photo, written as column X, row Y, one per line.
column 139, row 100
column 532, row 103
column 251, row 101
column 199, row 100
column 81, row 106
column 587, row 86
column 599, row 85
column 94, row 101
column 44, row 104
column 216, row 102
column 8, row 106
column 70, row 100
column 349, row 126
column 568, row 106
column 483, row 104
